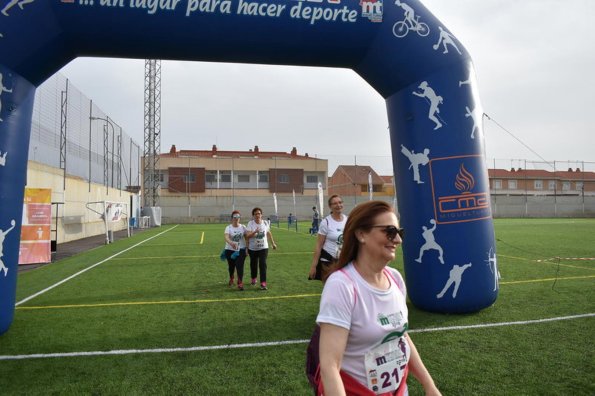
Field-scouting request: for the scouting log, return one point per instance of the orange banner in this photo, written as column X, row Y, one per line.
column 35, row 230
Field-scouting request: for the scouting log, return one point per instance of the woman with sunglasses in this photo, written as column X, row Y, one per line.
column 235, row 248
column 330, row 239
column 258, row 233
column 364, row 345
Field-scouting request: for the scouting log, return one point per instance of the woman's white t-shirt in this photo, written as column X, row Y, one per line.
column 236, row 234
column 333, row 231
column 260, row 240
column 371, row 315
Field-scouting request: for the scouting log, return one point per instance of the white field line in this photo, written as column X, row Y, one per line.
column 266, row 344
column 88, row 268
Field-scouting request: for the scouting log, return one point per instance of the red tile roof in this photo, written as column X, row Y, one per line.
column 215, row 152
column 540, row 174
column 358, row 174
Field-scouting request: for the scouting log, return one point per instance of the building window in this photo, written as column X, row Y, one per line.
column 497, row 184
column 243, row 178
column 551, row 185
column 263, row 177
column 512, row 184
column 284, row 179
column 211, row 177
column 225, row 177
column 579, row 186
column 565, row 186
column 538, row 184
column 189, row 179
column 312, row 179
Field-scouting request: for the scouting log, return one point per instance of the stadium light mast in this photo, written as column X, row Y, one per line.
column 152, row 140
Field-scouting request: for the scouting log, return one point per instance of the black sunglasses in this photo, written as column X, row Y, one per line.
column 391, row 231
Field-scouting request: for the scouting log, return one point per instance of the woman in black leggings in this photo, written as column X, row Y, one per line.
column 258, row 232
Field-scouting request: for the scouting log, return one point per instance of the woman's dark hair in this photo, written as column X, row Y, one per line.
column 256, row 209
column 362, row 217
column 235, row 212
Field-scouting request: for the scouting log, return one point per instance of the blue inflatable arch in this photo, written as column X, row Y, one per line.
column 398, row 47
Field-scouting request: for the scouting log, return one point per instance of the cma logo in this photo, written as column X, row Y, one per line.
column 460, row 198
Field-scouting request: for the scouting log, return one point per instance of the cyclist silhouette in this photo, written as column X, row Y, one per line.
column 401, row 28
column 409, row 12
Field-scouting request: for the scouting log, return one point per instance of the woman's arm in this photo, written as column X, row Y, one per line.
column 319, row 243
column 230, row 241
column 420, row 372
column 333, row 340
column 270, row 236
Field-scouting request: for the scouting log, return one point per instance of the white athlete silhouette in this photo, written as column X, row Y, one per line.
column 416, row 160
column 454, row 276
column 3, row 89
column 430, row 244
column 2, row 236
column 430, row 95
column 12, row 3
column 477, row 117
column 3, row 158
column 409, row 12
column 411, row 22
column 445, row 39
column 492, row 262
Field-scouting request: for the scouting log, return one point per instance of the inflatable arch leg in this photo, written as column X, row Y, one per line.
column 443, row 191
column 15, row 128
column 399, row 48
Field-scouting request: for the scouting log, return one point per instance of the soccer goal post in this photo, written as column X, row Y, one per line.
column 111, row 213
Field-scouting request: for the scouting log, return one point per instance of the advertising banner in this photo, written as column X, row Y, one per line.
column 35, row 230
column 113, row 212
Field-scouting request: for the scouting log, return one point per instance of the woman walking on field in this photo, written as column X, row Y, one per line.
column 258, row 233
column 235, row 248
column 364, row 345
column 329, row 240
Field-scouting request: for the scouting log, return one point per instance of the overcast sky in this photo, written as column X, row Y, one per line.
column 535, row 65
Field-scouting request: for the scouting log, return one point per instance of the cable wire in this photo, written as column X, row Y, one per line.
column 519, row 140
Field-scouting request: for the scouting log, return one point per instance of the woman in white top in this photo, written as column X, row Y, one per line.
column 258, row 235
column 330, row 239
column 363, row 317
column 235, row 248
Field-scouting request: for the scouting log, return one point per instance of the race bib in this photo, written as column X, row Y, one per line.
column 386, row 364
column 259, row 240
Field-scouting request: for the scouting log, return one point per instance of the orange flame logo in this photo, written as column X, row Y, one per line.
column 464, row 181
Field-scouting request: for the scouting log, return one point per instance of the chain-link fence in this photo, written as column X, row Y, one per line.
column 68, row 131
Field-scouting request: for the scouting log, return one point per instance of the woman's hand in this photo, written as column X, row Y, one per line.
column 312, row 273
